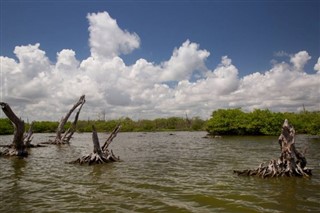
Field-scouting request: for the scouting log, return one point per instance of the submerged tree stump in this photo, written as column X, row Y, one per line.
column 290, row 163
column 27, row 139
column 64, row 138
column 18, row 147
column 100, row 155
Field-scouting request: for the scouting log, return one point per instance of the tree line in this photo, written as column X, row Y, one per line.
column 127, row 125
column 261, row 122
column 221, row 122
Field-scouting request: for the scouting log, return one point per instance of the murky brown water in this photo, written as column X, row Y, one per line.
column 160, row 172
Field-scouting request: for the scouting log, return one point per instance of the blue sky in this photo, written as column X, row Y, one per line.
column 250, row 32
column 150, row 59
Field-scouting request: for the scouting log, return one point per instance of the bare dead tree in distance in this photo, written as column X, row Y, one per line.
column 64, row 137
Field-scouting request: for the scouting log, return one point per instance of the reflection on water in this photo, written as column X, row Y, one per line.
column 160, row 172
column 13, row 194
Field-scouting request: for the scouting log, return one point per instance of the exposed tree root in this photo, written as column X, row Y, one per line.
column 10, row 146
column 275, row 168
column 56, row 142
column 13, row 152
column 291, row 162
column 99, row 155
column 95, row 158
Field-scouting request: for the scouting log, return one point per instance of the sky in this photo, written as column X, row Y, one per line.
column 157, row 59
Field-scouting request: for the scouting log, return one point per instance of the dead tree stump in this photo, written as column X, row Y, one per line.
column 27, row 137
column 100, row 155
column 290, row 163
column 64, row 138
column 18, row 147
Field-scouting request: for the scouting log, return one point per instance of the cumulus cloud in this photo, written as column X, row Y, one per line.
column 66, row 60
column 25, row 79
column 183, row 62
column 282, row 88
column 107, row 39
column 317, row 66
column 38, row 89
column 300, row 59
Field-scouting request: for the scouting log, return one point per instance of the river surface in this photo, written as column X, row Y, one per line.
column 159, row 172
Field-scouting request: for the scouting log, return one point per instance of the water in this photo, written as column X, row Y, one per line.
column 160, row 172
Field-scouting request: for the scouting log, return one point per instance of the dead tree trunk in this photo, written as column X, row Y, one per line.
column 69, row 133
column 110, row 138
column 65, row 138
column 290, row 163
column 18, row 146
column 27, row 138
column 100, row 154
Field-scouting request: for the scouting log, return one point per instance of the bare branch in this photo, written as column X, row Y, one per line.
column 111, row 137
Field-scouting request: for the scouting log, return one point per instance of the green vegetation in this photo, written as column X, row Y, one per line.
column 159, row 124
column 222, row 122
column 261, row 122
column 128, row 125
column 6, row 127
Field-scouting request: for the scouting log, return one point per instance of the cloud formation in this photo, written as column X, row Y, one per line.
column 317, row 66
column 107, row 40
column 38, row 89
column 300, row 59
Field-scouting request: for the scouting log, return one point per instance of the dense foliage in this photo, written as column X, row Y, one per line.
column 128, row 125
column 260, row 122
column 222, row 122
column 159, row 124
column 6, row 127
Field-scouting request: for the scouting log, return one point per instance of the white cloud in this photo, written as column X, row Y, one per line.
column 107, row 40
column 300, row 59
column 317, row 66
column 283, row 88
column 281, row 54
column 40, row 90
column 224, row 77
column 32, row 60
column 184, row 61
column 66, row 60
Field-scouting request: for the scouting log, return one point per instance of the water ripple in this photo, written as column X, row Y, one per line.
column 160, row 172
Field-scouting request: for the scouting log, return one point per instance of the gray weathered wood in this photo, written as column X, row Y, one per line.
column 27, row 138
column 64, row 120
column 69, row 133
column 99, row 155
column 290, row 163
column 18, row 124
column 65, row 138
column 111, row 137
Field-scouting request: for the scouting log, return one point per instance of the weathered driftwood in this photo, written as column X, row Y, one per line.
column 18, row 147
column 27, row 139
column 64, row 138
column 69, row 133
column 290, row 163
column 100, row 155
